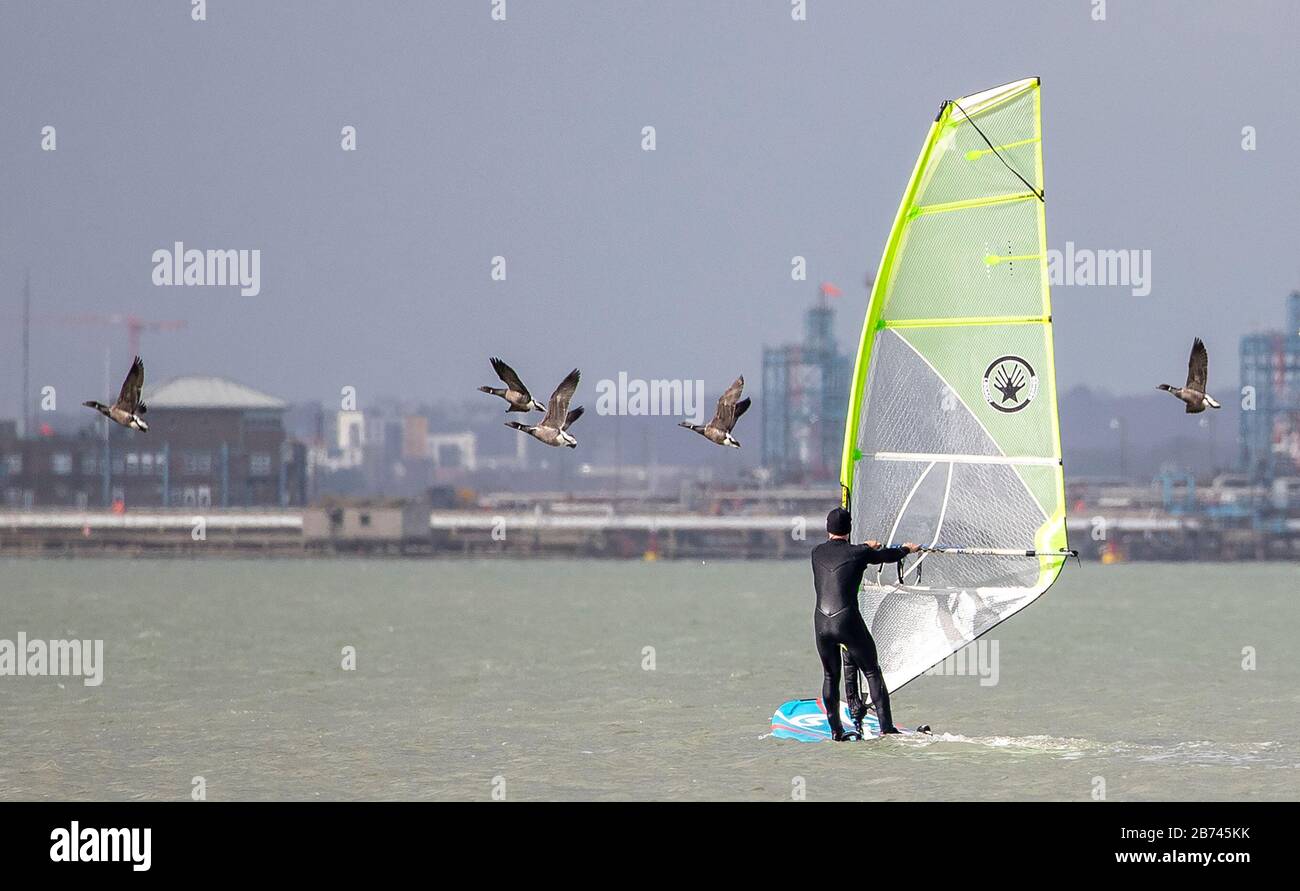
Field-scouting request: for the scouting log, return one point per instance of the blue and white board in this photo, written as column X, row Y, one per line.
column 805, row 720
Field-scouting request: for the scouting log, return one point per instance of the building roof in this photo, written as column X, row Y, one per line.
column 199, row 391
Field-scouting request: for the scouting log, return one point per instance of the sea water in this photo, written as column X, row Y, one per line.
column 557, row 679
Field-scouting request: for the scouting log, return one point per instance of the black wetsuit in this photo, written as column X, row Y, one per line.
column 837, row 575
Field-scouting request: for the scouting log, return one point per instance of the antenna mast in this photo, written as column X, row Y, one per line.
column 26, row 401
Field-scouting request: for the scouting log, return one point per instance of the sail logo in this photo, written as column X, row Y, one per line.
column 1010, row 384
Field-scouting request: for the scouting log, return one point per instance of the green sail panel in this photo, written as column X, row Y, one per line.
column 953, row 437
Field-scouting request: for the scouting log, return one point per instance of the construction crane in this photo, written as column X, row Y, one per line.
column 135, row 325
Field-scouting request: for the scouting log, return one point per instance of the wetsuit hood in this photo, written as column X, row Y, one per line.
column 839, row 522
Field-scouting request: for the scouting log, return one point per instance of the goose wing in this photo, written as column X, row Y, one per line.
column 509, row 378
column 741, row 407
column 129, row 399
column 728, row 411
column 1198, row 367
column 572, row 416
column 558, row 406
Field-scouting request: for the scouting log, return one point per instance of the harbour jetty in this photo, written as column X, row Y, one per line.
column 1107, row 523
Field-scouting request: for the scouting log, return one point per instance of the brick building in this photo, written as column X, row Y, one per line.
column 211, row 443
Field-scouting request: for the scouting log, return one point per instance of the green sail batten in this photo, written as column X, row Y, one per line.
column 969, row 204
column 959, row 322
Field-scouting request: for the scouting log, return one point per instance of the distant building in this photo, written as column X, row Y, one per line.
column 1270, row 365
column 415, row 437
column 351, row 437
column 211, row 443
column 517, row 462
column 804, row 401
column 343, row 446
column 454, row 451
column 366, row 525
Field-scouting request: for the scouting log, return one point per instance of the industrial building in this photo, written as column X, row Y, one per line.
column 1270, row 431
column 367, row 526
column 805, row 398
column 211, row 443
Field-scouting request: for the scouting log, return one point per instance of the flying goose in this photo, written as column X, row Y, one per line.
column 729, row 411
column 514, row 392
column 554, row 428
column 1197, row 372
column 128, row 408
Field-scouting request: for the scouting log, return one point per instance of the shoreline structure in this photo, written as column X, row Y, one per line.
column 569, row 529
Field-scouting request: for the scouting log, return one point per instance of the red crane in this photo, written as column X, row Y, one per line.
column 134, row 324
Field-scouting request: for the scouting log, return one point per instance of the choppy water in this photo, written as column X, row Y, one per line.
column 533, row 672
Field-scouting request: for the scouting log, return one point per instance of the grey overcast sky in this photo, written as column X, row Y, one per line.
column 523, row 139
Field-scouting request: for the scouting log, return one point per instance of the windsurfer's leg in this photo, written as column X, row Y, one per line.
column 828, row 650
column 862, row 649
column 852, row 692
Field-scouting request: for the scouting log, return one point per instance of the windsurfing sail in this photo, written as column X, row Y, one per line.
column 952, row 439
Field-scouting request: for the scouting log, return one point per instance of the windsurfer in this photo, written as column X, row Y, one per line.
column 837, row 575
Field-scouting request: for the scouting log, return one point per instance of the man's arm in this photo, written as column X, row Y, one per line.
column 872, row 552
